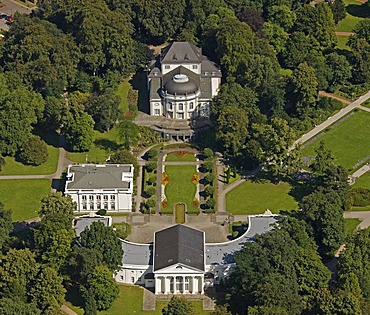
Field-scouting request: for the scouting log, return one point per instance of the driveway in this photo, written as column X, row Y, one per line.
column 9, row 7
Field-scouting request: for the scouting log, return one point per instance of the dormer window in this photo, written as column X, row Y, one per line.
column 195, row 66
column 167, row 67
column 174, row 57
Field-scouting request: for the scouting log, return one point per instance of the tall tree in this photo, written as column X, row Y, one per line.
column 178, row 306
column 339, row 10
column 57, row 208
column 102, row 287
column 104, row 240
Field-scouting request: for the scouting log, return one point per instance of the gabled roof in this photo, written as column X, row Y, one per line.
column 180, row 52
column 179, row 244
column 90, row 176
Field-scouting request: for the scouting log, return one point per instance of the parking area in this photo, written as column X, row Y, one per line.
column 8, row 8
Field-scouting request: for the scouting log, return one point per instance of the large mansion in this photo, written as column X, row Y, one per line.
column 101, row 186
column 182, row 82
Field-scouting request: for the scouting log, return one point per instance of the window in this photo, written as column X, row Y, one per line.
column 132, row 280
column 167, row 67
column 91, row 197
column 156, row 112
column 98, row 205
column 84, row 206
column 91, row 206
column 181, row 106
column 105, row 197
column 170, row 106
column 191, row 105
column 112, row 197
column 195, row 66
column 98, row 197
column 83, row 197
column 106, row 205
column 122, row 278
column 156, row 104
column 112, row 205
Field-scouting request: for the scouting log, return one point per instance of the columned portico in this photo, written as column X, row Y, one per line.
column 179, row 284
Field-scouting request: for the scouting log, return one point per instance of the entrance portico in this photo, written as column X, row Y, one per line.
column 179, row 284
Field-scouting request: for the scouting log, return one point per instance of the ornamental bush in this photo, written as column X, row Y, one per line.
column 210, row 203
column 150, row 167
column 209, row 190
column 150, row 191
column 209, row 178
column 207, row 153
column 34, row 152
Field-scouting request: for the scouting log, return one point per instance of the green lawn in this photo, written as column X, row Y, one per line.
column 255, row 197
column 350, row 225
column 363, row 181
column 180, row 187
column 342, row 42
column 349, row 141
column 173, row 157
column 130, row 301
column 353, row 16
column 104, row 144
column 23, row 196
column 122, row 91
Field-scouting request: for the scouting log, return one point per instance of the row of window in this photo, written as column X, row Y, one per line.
column 169, row 67
column 181, row 106
column 98, row 197
column 98, row 206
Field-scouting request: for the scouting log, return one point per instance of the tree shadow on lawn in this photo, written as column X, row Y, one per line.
column 138, row 83
column 49, row 136
column 362, row 10
column 106, row 144
column 73, row 295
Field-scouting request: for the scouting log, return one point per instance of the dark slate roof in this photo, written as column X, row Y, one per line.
column 179, row 244
column 180, row 52
column 90, row 176
column 189, row 87
column 83, row 222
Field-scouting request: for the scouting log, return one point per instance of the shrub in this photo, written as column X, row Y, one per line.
column 210, row 203
column 150, row 167
column 207, row 153
column 209, row 190
column 150, row 191
column 209, row 178
column 195, row 178
column 151, row 180
column 125, row 157
column 2, row 162
column 361, row 197
column 122, row 229
column 102, row 212
column 151, row 154
column 34, row 152
column 151, row 203
column 165, row 179
column 208, row 166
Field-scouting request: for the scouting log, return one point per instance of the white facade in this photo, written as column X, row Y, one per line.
column 104, row 186
column 182, row 82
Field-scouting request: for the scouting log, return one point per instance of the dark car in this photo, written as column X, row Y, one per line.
column 3, row 16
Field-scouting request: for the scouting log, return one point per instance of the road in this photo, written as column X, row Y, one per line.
column 364, row 216
column 9, row 7
column 332, row 119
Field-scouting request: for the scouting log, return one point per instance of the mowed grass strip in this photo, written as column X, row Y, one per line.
column 349, row 142
column 130, row 301
column 180, row 187
column 13, row 167
column 350, row 225
column 363, row 181
column 255, row 197
column 342, row 42
column 350, row 21
column 23, row 196
column 173, row 157
column 104, row 144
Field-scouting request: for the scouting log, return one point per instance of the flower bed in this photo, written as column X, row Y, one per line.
column 195, row 178
column 165, row 179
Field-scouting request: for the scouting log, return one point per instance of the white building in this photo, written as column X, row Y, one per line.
column 182, row 82
column 180, row 262
column 101, row 186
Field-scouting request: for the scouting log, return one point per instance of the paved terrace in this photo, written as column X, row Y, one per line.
column 142, row 254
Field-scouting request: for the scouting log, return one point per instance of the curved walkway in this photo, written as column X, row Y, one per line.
column 364, row 216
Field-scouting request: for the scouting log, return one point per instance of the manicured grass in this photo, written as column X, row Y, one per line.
column 12, row 167
column 349, row 141
column 342, row 42
column 177, row 157
column 286, row 72
column 366, row 208
column 122, row 91
column 363, row 181
column 180, row 213
column 350, row 225
column 350, row 21
column 180, row 187
column 104, row 144
column 255, row 197
column 23, row 196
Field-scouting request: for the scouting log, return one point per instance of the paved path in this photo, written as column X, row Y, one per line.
column 359, row 173
column 364, row 216
column 331, row 95
column 332, row 119
column 67, row 310
column 344, row 33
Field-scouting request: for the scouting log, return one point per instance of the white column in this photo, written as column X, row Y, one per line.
column 174, row 285
column 201, row 284
column 157, row 285
column 165, row 285
column 183, row 284
column 191, row 285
